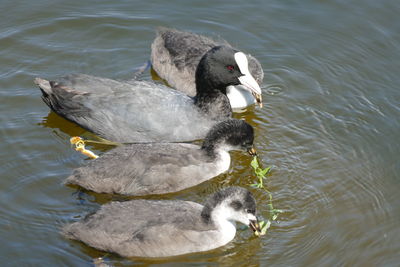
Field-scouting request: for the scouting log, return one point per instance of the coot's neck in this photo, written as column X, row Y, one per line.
column 214, row 104
column 214, row 140
column 211, row 92
column 217, row 216
column 209, row 149
column 206, row 213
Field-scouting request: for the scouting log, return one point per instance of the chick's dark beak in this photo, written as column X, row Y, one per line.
column 255, row 226
column 252, row 151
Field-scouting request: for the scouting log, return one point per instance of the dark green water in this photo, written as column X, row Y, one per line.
column 329, row 127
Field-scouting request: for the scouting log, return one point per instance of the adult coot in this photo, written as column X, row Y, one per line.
column 176, row 54
column 141, row 111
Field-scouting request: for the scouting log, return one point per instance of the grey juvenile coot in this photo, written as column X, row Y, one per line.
column 159, row 168
column 145, row 111
column 176, row 54
column 162, row 228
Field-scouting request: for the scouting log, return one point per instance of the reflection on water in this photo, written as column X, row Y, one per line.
column 329, row 126
column 67, row 129
column 53, row 121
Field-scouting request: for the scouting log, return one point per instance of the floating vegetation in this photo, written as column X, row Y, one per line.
column 262, row 175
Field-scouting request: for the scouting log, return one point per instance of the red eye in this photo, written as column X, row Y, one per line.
column 230, row 67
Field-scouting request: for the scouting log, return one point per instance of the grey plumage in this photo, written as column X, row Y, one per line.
column 161, row 228
column 158, row 168
column 140, row 111
column 123, row 112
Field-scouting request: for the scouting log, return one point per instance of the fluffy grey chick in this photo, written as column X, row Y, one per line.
column 162, row 228
column 159, row 168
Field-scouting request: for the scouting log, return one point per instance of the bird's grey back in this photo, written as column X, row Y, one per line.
column 143, row 228
column 143, row 169
column 136, row 111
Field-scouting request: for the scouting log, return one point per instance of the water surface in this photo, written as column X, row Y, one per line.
column 329, row 126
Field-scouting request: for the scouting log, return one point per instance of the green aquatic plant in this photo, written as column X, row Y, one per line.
column 262, row 175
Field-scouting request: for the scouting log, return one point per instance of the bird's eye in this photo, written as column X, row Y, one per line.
column 236, row 205
column 230, row 67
